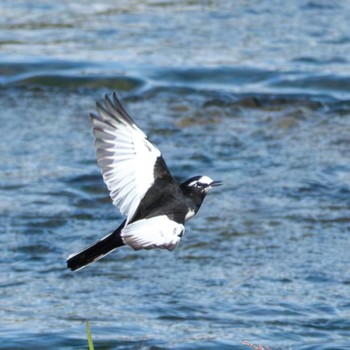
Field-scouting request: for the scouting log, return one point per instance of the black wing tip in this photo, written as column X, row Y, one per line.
column 111, row 107
column 114, row 97
column 114, row 101
column 100, row 106
column 94, row 116
column 108, row 99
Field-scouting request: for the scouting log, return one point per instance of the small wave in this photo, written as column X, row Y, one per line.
column 114, row 76
column 329, row 85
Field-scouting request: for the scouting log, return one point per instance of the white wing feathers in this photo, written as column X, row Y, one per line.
column 155, row 232
column 125, row 156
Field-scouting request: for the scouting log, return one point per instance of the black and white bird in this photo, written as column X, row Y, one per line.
column 140, row 184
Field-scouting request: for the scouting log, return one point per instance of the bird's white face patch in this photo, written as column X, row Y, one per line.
column 206, row 180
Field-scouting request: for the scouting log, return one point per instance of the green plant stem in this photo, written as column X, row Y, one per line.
column 91, row 344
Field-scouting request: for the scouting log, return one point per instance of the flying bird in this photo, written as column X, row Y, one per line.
column 140, row 184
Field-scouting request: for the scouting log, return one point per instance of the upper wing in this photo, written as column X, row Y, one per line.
column 126, row 157
column 155, row 232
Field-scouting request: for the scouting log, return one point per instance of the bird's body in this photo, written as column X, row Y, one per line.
column 156, row 206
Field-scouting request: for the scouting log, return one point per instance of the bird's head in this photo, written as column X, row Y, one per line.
column 199, row 185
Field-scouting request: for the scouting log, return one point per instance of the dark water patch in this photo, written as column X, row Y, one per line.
column 35, row 251
column 12, row 69
column 85, row 178
column 86, row 184
column 222, row 100
column 210, row 76
column 343, row 40
column 313, row 5
column 261, row 82
column 11, row 187
column 335, row 345
column 40, row 341
column 266, row 102
column 38, row 222
column 337, row 86
column 40, row 25
column 76, row 82
column 314, row 61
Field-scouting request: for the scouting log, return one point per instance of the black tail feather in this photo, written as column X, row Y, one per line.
column 96, row 251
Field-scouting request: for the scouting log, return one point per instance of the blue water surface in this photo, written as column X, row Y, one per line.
column 253, row 93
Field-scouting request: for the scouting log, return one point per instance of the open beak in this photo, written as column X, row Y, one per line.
column 216, row 183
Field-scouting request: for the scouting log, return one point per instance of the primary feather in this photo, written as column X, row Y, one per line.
column 125, row 156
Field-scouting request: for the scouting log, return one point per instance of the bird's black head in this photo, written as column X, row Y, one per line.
column 199, row 186
column 195, row 189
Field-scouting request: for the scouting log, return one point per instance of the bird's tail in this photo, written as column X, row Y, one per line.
column 96, row 251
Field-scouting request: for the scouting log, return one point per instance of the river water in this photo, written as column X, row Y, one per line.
column 253, row 93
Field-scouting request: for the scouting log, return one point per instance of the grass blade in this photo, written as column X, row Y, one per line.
column 91, row 344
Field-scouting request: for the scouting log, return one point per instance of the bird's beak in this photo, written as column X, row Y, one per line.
column 216, row 183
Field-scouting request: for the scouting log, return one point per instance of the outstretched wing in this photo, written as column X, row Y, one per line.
column 155, row 232
column 125, row 155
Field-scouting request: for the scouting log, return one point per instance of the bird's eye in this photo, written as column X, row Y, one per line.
column 199, row 185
